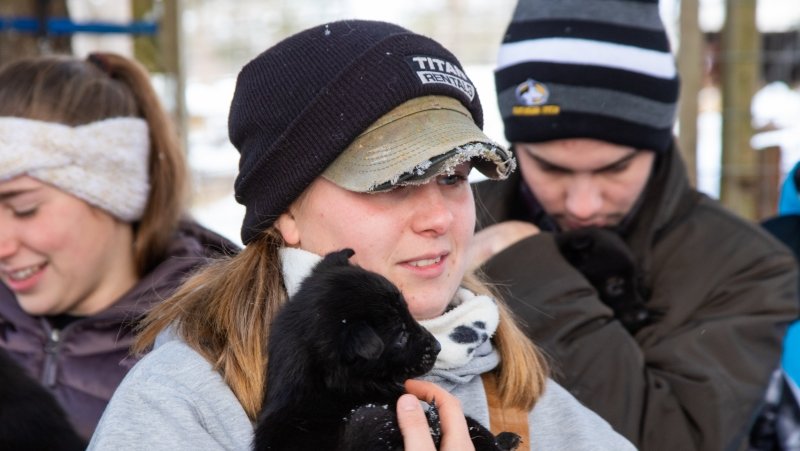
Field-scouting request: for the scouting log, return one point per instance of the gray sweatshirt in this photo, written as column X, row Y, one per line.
column 173, row 400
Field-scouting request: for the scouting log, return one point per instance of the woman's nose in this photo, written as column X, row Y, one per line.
column 432, row 212
column 8, row 242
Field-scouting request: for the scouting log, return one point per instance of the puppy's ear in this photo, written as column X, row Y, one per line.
column 337, row 258
column 361, row 341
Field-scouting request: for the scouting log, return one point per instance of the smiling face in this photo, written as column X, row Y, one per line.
column 584, row 182
column 415, row 236
column 58, row 254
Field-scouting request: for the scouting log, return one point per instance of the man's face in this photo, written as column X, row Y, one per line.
column 584, row 182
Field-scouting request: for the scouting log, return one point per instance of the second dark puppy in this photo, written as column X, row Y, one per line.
column 341, row 348
column 30, row 417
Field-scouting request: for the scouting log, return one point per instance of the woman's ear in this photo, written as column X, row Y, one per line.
column 287, row 226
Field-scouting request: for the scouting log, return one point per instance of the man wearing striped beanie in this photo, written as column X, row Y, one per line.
column 661, row 311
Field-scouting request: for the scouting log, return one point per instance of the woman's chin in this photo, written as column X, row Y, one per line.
column 35, row 308
column 429, row 312
column 428, row 304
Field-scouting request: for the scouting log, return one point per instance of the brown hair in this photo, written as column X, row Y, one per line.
column 225, row 310
column 71, row 91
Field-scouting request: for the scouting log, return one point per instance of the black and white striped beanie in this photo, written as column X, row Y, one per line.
column 598, row 69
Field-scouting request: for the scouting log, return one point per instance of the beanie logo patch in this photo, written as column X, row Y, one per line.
column 430, row 69
column 532, row 97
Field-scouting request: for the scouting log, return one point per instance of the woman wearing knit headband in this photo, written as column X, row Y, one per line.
column 92, row 185
column 668, row 312
column 353, row 134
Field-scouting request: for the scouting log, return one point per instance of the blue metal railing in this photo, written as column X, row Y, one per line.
column 65, row 26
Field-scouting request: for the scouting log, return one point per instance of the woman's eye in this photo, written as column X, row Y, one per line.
column 25, row 212
column 451, row 179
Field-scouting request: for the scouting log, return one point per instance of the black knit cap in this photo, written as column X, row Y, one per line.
column 588, row 69
column 300, row 103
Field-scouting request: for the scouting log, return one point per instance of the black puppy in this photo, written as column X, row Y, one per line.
column 339, row 353
column 609, row 265
column 30, row 418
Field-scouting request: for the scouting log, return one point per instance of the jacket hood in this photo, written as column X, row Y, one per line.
column 667, row 200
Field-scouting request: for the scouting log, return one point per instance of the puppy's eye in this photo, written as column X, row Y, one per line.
column 401, row 339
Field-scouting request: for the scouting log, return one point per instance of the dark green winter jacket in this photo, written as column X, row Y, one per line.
column 726, row 290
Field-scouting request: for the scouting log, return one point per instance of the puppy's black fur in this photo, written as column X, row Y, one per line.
column 30, row 418
column 609, row 265
column 339, row 353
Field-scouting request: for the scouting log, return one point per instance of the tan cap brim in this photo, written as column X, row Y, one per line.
column 419, row 139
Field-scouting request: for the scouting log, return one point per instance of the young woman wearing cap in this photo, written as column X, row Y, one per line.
column 354, row 134
column 91, row 231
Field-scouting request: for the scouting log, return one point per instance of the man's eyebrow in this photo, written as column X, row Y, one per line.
column 622, row 160
column 612, row 165
column 545, row 163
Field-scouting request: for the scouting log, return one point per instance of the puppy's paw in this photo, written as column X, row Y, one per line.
column 434, row 423
column 507, row 441
column 371, row 426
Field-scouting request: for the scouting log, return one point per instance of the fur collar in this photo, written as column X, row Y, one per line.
column 470, row 323
column 296, row 265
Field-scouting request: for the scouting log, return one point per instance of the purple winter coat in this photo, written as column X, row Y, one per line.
column 83, row 363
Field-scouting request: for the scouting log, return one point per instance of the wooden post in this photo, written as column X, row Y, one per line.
column 769, row 160
column 174, row 67
column 690, row 66
column 163, row 55
column 741, row 44
column 14, row 44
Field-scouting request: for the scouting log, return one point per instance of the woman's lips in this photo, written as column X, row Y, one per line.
column 425, row 262
column 428, row 266
column 24, row 279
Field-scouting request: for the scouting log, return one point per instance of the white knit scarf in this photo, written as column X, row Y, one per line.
column 104, row 163
column 471, row 321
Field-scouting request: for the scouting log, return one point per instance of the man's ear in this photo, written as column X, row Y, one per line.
column 287, row 226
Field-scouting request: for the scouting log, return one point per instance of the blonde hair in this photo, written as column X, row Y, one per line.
column 523, row 370
column 225, row 310
column 72, row 91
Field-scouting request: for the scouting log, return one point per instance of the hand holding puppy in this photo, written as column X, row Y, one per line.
column 414, row 425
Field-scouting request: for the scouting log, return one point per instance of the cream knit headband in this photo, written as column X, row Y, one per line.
column 104, row 163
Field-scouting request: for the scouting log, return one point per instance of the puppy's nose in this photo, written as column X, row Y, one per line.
column 435, row 347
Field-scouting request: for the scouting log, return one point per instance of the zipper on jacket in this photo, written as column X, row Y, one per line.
column 51, row 349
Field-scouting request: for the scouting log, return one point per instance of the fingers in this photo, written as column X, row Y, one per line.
column 413, row 424
column 496, row 238
column 455, row 435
